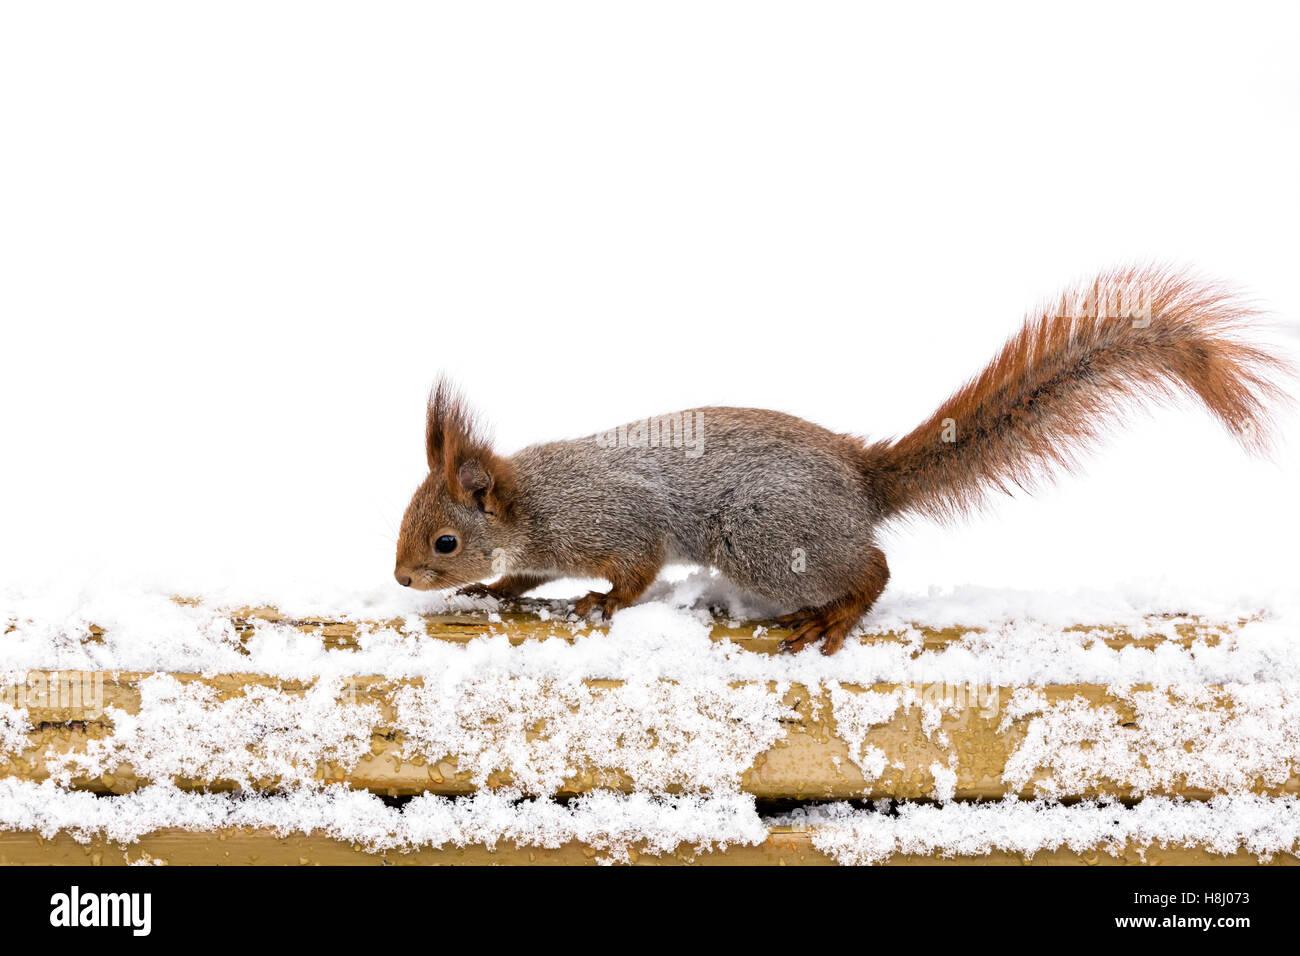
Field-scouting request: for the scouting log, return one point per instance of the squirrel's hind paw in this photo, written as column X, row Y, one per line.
column 830, row 630
column 596, row 601
column 798, row 619
column 831, row 624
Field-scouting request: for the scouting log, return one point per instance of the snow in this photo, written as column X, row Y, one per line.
column 945, row 780
column 192, row 731
column 1007, row 639
column 696, row 735
column 609, row 822
column 1222, row 825
column 855, row 715
column 615, row 824
column 14, row 727
column 1217, row 739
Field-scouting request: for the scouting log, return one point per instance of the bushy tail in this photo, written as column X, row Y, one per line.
column 1067, row 375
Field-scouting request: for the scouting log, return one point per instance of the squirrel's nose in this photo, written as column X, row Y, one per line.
column 402, row 578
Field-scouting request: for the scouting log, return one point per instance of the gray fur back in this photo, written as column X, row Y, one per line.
column 778, row 505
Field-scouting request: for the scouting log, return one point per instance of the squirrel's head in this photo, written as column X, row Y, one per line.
column 457, row 518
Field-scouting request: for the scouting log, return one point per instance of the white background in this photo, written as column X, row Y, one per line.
column 238, row 240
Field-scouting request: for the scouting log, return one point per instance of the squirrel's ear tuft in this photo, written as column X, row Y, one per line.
column 449, row 425
column 456, row 447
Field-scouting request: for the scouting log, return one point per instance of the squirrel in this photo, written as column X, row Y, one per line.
column 791, row 511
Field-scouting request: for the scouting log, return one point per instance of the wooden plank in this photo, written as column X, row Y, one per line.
column 828, row 749
column 783, row 847
column 534, row 619
column 549, row 620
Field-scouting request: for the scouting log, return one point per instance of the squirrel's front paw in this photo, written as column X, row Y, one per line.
column 480, row 590
column 595, row 601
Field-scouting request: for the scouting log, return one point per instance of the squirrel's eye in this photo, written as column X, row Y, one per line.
column 445, row 544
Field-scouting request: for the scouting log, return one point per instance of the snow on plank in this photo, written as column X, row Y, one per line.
column 561, row 736
column 353, row 828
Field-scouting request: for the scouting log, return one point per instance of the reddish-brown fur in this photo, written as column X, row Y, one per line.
column 628, row 580
column 833, row 622
column 1047, row 395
